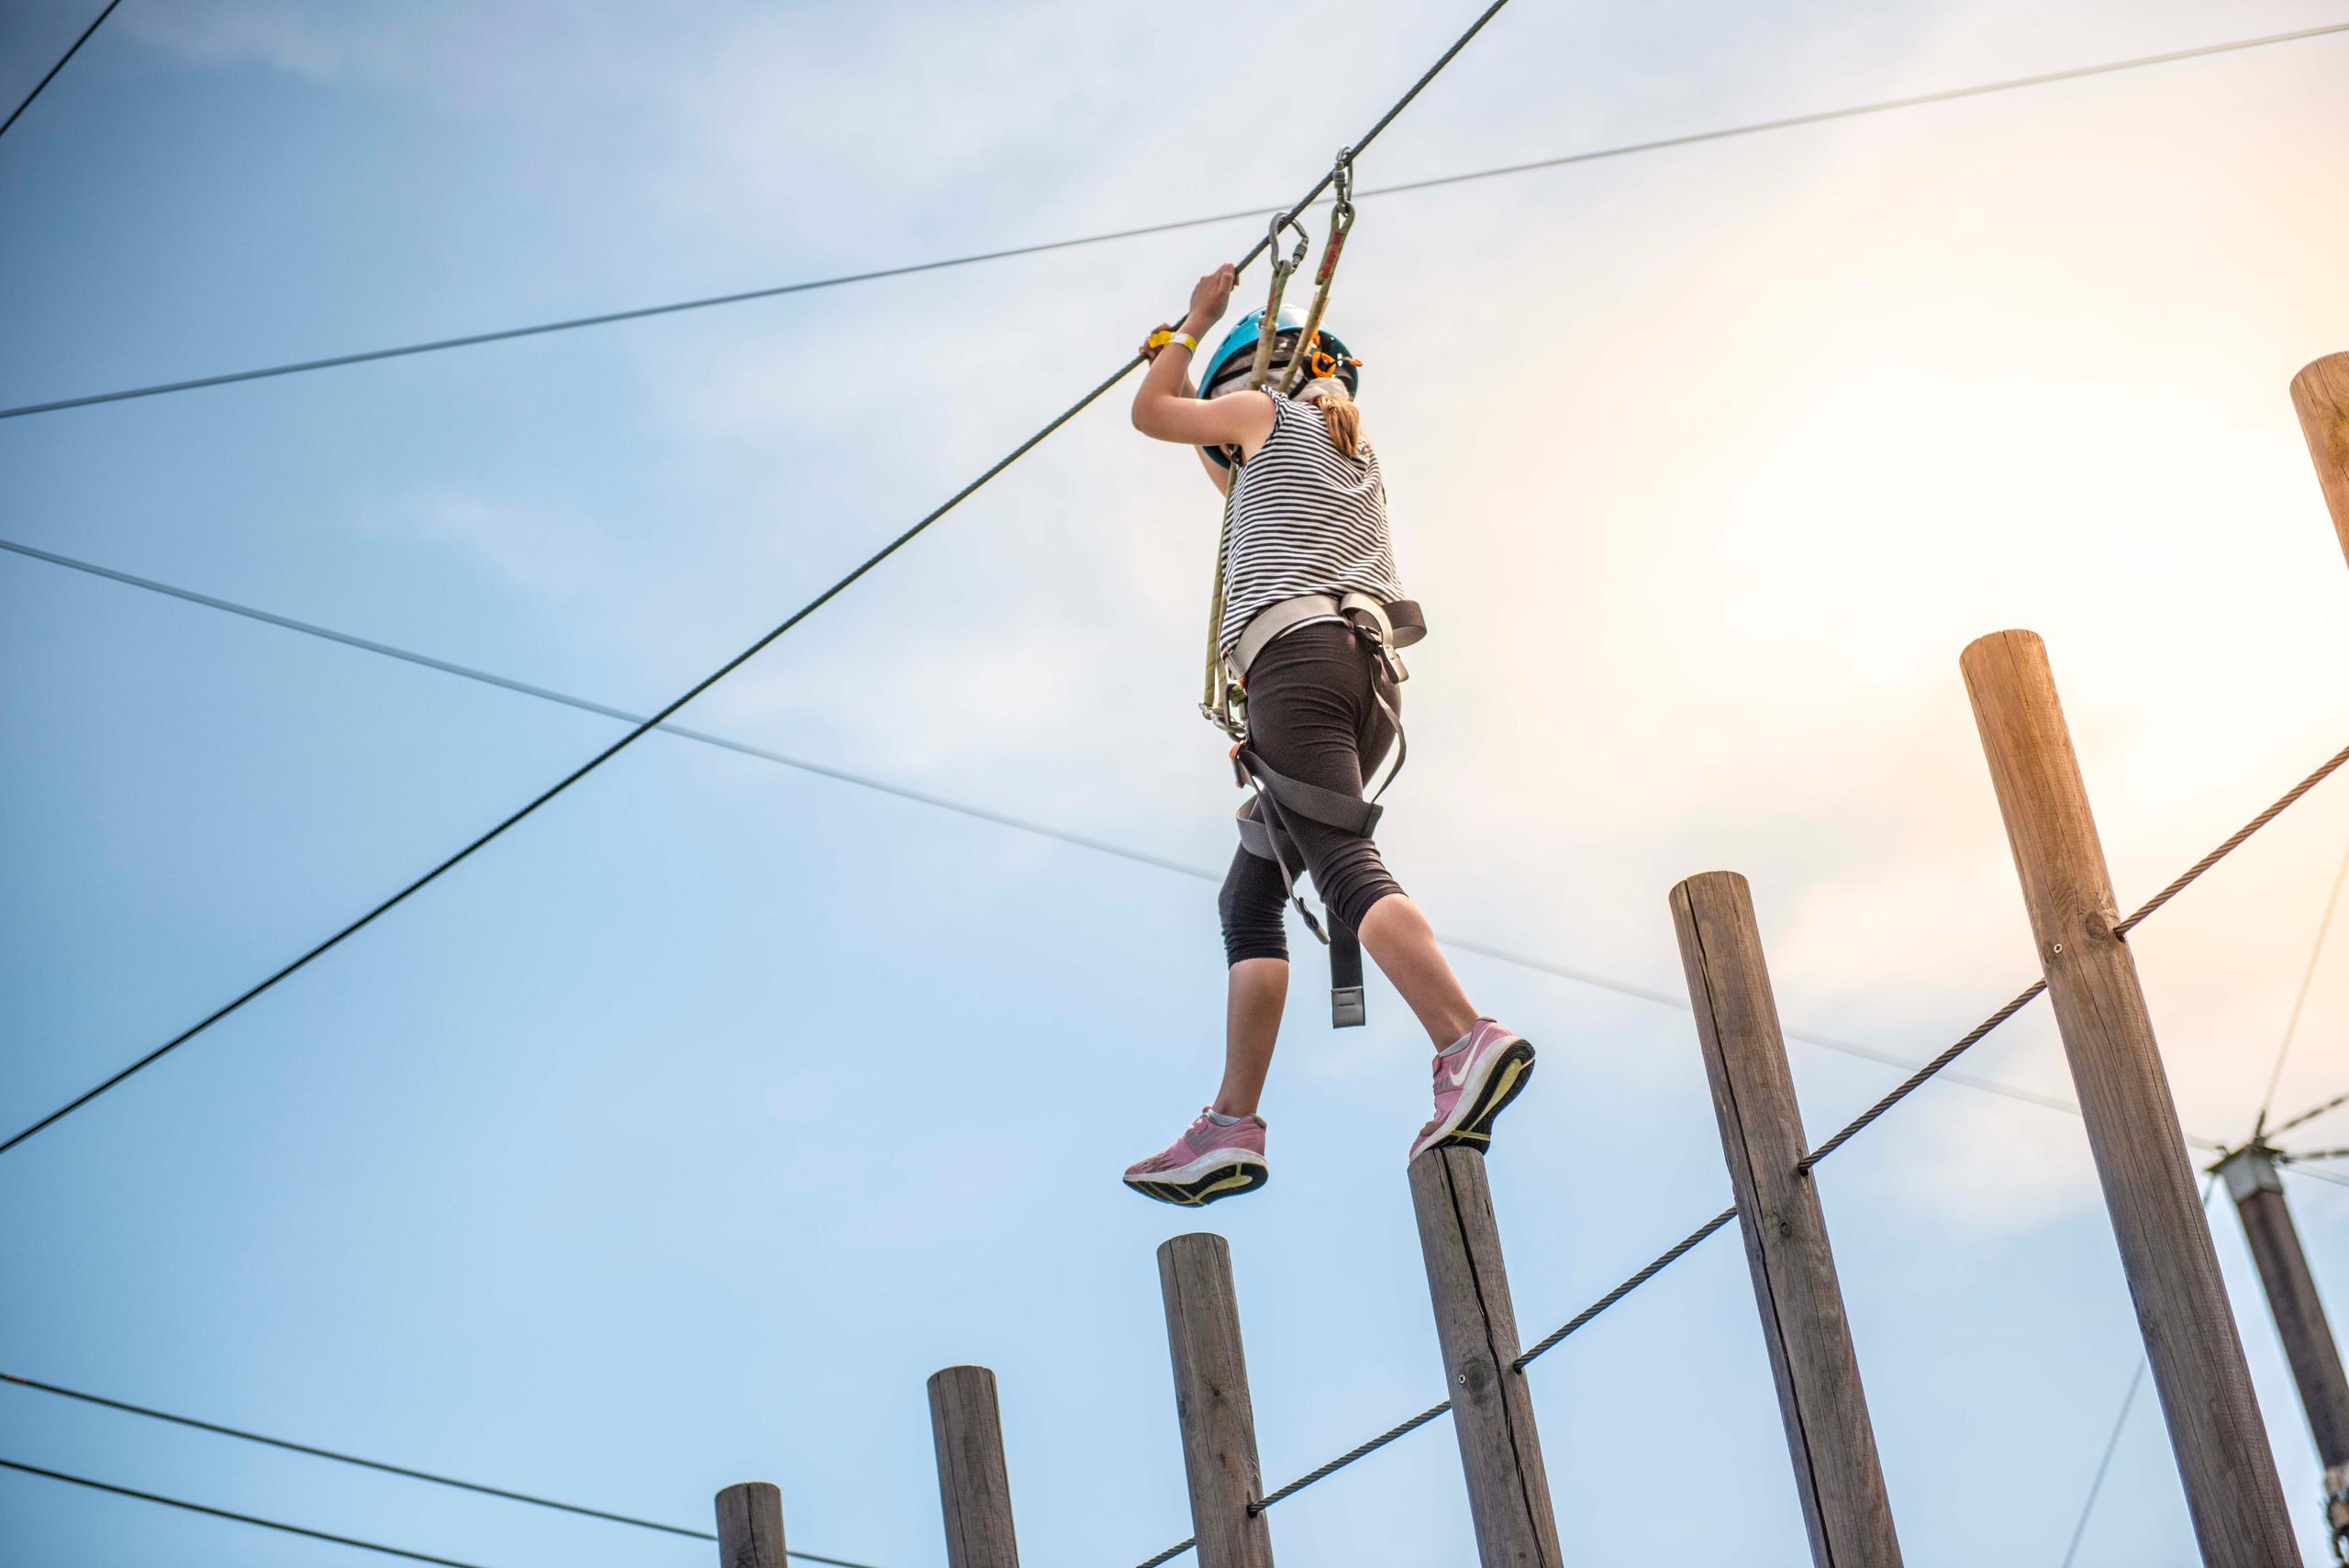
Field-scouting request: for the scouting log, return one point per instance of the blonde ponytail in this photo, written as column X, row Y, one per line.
column 1343, row 418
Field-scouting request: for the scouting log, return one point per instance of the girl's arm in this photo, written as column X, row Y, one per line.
column 1164, row 408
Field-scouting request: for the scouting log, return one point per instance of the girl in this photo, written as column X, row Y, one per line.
column 1307, row 524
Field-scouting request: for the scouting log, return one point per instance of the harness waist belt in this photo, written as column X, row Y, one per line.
column 1396, row 625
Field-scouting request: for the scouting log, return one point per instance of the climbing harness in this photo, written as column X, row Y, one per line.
column 1264, row 816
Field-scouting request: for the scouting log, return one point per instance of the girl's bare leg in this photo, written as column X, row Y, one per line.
column 1403, row 943
column 1251, row 1024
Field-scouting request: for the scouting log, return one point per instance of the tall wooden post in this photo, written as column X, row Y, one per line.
column 1845, row 1503
column 1492, row 1410
column 2301, row 1323
column 2232, row 1491
column 750, row 1526
column 1211, row 1401
column 974, row 1486
column 2321, row 397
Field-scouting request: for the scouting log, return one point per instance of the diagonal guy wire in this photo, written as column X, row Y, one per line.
column 977, row 813
column 1692, row 138
column 647, row 726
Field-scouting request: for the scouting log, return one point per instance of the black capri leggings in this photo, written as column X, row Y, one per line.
column 1312, row 716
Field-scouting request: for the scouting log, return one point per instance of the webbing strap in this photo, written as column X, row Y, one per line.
column 1347, row 1008
column 1262, row 820
column 1334, row 809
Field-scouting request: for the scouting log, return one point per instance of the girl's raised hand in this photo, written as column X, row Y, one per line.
column 1211, row 295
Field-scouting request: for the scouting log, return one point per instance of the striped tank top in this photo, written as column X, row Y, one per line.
column 1304, row 519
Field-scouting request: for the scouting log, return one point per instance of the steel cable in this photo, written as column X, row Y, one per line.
column 1688, row 1244
column 53, row 70
column 639, row 313
column 810, row 607
column 2180, row 885
column 965, row 809
column 573, row 777
column 240, row 1519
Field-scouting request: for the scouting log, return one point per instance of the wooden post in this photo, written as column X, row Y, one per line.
column 1492, row 1410
column 2301, row 1323
column 750, row 1526
column 1845, row 1503
column 2321, row 397
column 974, row 1487
column 2232, row 1491
column 1211, row 1401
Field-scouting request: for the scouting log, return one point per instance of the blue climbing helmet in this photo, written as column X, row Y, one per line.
column 1236, row 354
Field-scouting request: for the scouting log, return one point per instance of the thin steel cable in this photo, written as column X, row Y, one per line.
column 810, row 607
column 387, row 1468
column 2234, row 841
column 2120, row 1423
column 808, row 285
column 2183, row 881
column 240, row 1519
column 2290, row 1156
column 977, row 813
column 1664, row 1261
column 1909, row 1084
column 2309, row 1116
column 53, row 70
column 2104, row 1465
column 342, row 1457
column 573, row 777
column 1688, row 1244
column 2316, row 1175
column 1399, row 1429
column 610, row 317
column 1171, row 1553
column 2300, row 1001
column 1855, row 111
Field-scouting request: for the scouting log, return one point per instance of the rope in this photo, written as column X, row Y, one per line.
column 808, row 285
column 810, row 607
column 53, row 70
column 2184, row 880
column 240, row 1519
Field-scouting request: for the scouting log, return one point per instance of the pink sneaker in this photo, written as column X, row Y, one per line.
column 1471, row 1086
column 1206, row 1163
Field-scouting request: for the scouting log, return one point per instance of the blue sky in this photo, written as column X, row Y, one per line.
column 678, row 1138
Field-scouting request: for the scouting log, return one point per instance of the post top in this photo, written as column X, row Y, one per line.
column 2251, row 1169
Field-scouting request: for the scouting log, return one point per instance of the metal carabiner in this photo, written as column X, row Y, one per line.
column 1303, row 366
column 1261, row 368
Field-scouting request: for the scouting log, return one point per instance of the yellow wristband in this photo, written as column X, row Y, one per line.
column 1160, row 338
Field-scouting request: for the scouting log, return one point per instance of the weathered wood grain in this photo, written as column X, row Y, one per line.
column 2192, row 1341
column 1837, row 1473
column 2321, row 397
column 1211, row 1402
column 750, row 1526
column 1492, row 1409
column 974, row 1484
